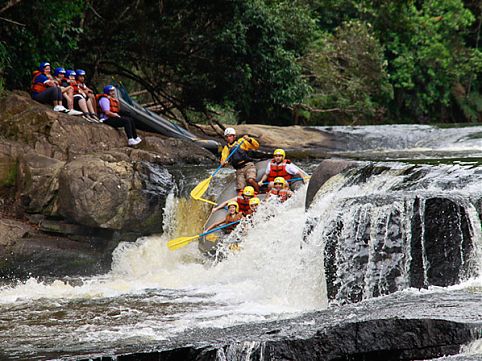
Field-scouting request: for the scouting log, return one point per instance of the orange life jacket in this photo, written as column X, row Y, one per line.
column 282, row 194
column 37, row 87
column 113, row 103
column 243, row 203
column 230, row 219
column 278, row 170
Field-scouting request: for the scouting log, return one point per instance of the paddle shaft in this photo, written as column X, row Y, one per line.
column 229, row 156
column 289, row 180
column 218, row 228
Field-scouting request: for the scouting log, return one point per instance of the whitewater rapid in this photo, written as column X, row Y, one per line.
column 152, row 293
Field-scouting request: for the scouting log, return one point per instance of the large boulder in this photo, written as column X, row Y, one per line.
column 77, row 187
column 112, row 192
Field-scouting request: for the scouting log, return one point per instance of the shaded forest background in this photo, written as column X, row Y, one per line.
column 262, row 61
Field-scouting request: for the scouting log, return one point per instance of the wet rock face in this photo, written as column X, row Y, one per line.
column 111, row 194
column 392, row 240
column 374, row 340
column 78, row 187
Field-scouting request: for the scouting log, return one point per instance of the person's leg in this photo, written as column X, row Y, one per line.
column 120, row 122
column 90, row 107
column 250, row 173
column 48, row 96
column 69, row 95
column 80, row 104
column 240, row 180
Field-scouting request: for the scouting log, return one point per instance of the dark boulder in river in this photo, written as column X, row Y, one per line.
column 388, row 229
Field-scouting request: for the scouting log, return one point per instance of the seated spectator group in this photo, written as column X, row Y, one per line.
column 67, row 92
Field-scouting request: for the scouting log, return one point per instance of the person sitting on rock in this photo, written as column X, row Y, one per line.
column 109, row 108
column 280, row 190
column 68, row 82
column 84, row 98
column 44, row 89
column 232, row 216
column 242, row 199
column 280, row 167
column 240, row 160
column 67, row 90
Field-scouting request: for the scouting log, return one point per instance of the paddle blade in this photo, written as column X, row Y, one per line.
column 176, row 243
column 201, row 188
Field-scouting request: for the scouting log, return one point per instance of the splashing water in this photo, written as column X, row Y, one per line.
column 153, row 293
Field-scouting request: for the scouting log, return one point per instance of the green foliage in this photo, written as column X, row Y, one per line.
column 426, row 52
column 348, row 76
column 48, row 30
column 345, row 60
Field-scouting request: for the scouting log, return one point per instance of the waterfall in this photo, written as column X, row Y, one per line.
column 387, row 227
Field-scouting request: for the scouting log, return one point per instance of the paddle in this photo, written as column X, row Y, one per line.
column 292, row 179
column 202, row 187
column 176, row 243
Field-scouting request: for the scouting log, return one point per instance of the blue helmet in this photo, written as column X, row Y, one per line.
column 108, row 88
column 69, row 73
column 43, row 64
column 58, row 71
column 80, row 72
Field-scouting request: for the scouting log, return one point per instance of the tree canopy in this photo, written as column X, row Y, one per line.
column 271, row 61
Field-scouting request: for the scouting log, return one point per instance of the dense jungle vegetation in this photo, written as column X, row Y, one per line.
column 264, row 61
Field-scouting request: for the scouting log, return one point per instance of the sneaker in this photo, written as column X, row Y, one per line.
column 94, row 116
column 60, row 108
column 138, row 140
column 87, row 117
column 132, row 141
column 74, row 112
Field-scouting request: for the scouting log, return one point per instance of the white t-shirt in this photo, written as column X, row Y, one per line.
column 290, row 168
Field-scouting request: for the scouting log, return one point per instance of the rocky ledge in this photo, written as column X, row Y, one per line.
column 403, row 326
column 71, row 190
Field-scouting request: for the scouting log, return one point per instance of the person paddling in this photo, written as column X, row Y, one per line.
column 240, row 160
column 280, row 190
column 242, row 199
column 232, row 216
column 279, row 166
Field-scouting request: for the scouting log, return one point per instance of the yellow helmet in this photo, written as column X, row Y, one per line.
column 280, row 180
column 254, row 200
column 248, row 191
column 280, row 152
column 235, row 204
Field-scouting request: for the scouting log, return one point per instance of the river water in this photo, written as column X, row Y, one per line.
column 153, row 295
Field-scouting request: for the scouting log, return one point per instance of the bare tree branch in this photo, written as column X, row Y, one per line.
column 9, row 4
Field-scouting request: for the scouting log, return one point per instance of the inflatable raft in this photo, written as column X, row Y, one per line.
column 209, row 243
column 150, row 121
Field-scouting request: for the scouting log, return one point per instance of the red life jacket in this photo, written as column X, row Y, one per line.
column 37, row 87
column 73, row 84
column 278, row 170
column 230, row 219
column 113, row 103
column 282, row 194
column 243, row 204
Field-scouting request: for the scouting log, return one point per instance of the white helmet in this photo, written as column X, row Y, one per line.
column 229, row 131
